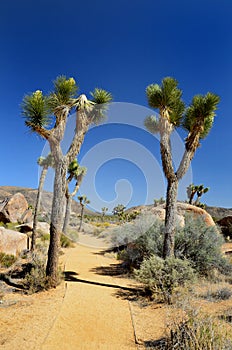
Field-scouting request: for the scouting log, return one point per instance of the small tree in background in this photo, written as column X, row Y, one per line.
column 200, row 191
column 197, row 120
column 45, row 163
column 75, row 172
column 159, row 201
column 83, row 202
column 104, row 211
column 119, row 211
column 196, row 189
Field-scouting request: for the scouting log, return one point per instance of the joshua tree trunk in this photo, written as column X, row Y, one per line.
column 67, row 213
column 37, row 206
column 56, row 221
column 81, row 219
column 170, row 218
column 69, row 197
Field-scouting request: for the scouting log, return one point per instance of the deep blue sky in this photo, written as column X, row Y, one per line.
column 121, row 46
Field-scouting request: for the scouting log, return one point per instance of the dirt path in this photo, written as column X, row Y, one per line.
column 87, row 311
column 91, row 316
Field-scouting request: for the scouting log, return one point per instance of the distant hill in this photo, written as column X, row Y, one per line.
column 30, row 195
column 218, row 213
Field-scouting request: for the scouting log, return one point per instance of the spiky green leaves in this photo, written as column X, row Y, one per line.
column 46, row 162
column 35, row 109
column 167, row 97
column 101, row 99
column 201, row 111
column 76, row 171
column 151, row 123
column 83, row 200
column 101, row 96
column 65, row 90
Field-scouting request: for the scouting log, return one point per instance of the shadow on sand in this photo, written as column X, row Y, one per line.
column 70, row 276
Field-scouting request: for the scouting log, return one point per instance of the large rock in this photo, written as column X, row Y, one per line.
column 182, row 209
column 226, row 226
column 12, row 242
column 15, row 209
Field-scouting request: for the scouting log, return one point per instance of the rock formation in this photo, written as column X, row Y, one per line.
column 12, row 242
column 15, row 209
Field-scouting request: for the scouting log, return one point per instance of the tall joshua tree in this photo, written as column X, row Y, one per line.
column 47, row 115
column 75, row 172
column 45, row 163
column 197, row 120
column 83, row 202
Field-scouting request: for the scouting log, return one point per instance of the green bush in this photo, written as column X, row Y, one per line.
column 65, row 242
column 6, row 260
column 45, row 237
column 161, row 277
column 201, row 245
column 142, row 238
column 196, row 242
column 36, row 280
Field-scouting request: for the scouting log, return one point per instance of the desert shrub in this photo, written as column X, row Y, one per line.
column 73, row 235
column 36, row 280
column 196, row 242
column 45, row 237
column 65, row 242
column 141, row 238
column 6, row 260
column 12, row 226
column 161, row 277
column 223, row 293
column 201, row 245
column 197, row 331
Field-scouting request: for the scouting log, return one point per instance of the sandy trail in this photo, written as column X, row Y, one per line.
column 77, row 314
column 91, row 316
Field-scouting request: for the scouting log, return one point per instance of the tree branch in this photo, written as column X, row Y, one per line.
column 191, row 145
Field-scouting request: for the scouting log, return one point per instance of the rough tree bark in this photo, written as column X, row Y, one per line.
column 173, row 178
column 56, row 221
column 37, row 206
column 69, row 197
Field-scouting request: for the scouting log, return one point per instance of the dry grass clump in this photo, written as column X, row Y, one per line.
column 7, row 260
column 190, row 329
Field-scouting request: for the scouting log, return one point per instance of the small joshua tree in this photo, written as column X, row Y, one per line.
column 83, row 202
column 199, row 190
column 75, row 172
column 45, row 163
column 119, row 211
column 104, row 211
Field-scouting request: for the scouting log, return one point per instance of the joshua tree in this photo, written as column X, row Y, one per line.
column 158, row 201
column 75, row 172
column 197, row 120
column 37, row 110
column 196, row 189
column 45, row 163
column 191, row 191
column 119, row 211
column 200, row 191
column 83, row 202
column 104, row 211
